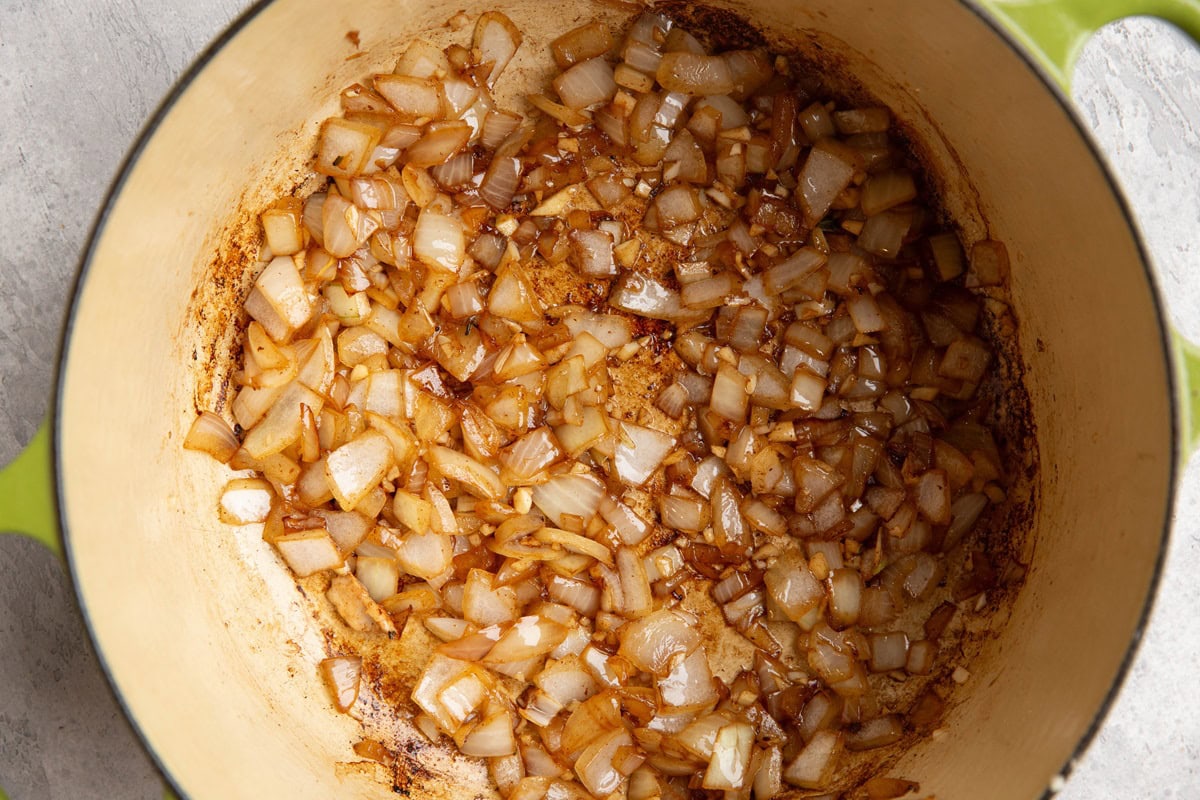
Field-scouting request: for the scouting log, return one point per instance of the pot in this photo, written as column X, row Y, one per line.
column 202, row 632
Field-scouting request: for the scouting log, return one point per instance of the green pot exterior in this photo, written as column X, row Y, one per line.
column 27, row 494
column 1054, row 31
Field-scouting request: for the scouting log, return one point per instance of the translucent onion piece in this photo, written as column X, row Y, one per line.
column 814, row 766
column 640, row 452
column 477, row 479
column 652, row 642
column 821, row 180
column 576, row 495
column 793, row 587
column 211, row 434
column 595, row 767
column 413, row 98
column 356, row 467
column 342, row 675
column 695, row 74
column 583, row 597
column 279, row 300
column 587, row 83
column 689, row 684
column 496, row 40
column 308, row 552
column 500, row 182
column 586, row 41
column 528, row 638
column 439, row 241
column 730, row 763
column 630, row 527
column 344, row 146
column 609, row 329
column 492, row 737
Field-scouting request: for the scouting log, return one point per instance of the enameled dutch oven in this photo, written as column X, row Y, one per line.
column 199, row 626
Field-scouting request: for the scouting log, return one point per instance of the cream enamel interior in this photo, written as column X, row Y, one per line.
column 215, row 661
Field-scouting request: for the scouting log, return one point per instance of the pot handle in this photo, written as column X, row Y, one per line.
column 1054, row 31
column 27, row 493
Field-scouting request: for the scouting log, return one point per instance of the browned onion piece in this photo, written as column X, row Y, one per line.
column 695, row 74
column 211, row 434
column 651, row 642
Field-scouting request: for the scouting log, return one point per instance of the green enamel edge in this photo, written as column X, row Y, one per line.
column 167, row 794
column 1054, row 31
column 27, row 494
column 1187, row 368
column 3, row 796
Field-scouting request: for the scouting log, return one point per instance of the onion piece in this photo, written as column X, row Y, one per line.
column 485, row 603
column 695, row 74
column 651, row 643
column 356, row 467
column 630, row 527
column 728, row 769
column 575, row 543
column 845, row 596
column 578, row 44
column 689, row 685
column 493, row 737
column 500, row 182
column 344, row 146
column 686, row 514
column 440, row 672
column 342, row 675
column 576, row 495
column 586, row 84
column 440, row 142
column 592, row 253
column 611, row 330
column 413, row 98
column 878, row 732
column 279, row 300
column 496, row 41
column 793, row 587
column 424, row 554
column 640, row 452
column 729, row 396
column 529, row 637
column 308, row 552
column 211, row 434
column 477, row 479
column 595, row 765
column 823, row 177
column 583, row 597
column 814, row 766
column 439, row 241
column 768, row 778
column 245, row 500
column 677, row 205
column 530, row 455
column 636, row 599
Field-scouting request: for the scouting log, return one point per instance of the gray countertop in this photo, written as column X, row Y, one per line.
column 77, row 81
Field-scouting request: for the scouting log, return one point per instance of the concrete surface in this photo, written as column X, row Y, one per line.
column 77, row 80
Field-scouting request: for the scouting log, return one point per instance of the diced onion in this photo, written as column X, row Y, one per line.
column 587, row 83
column 695, row 74
column 342, row 676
